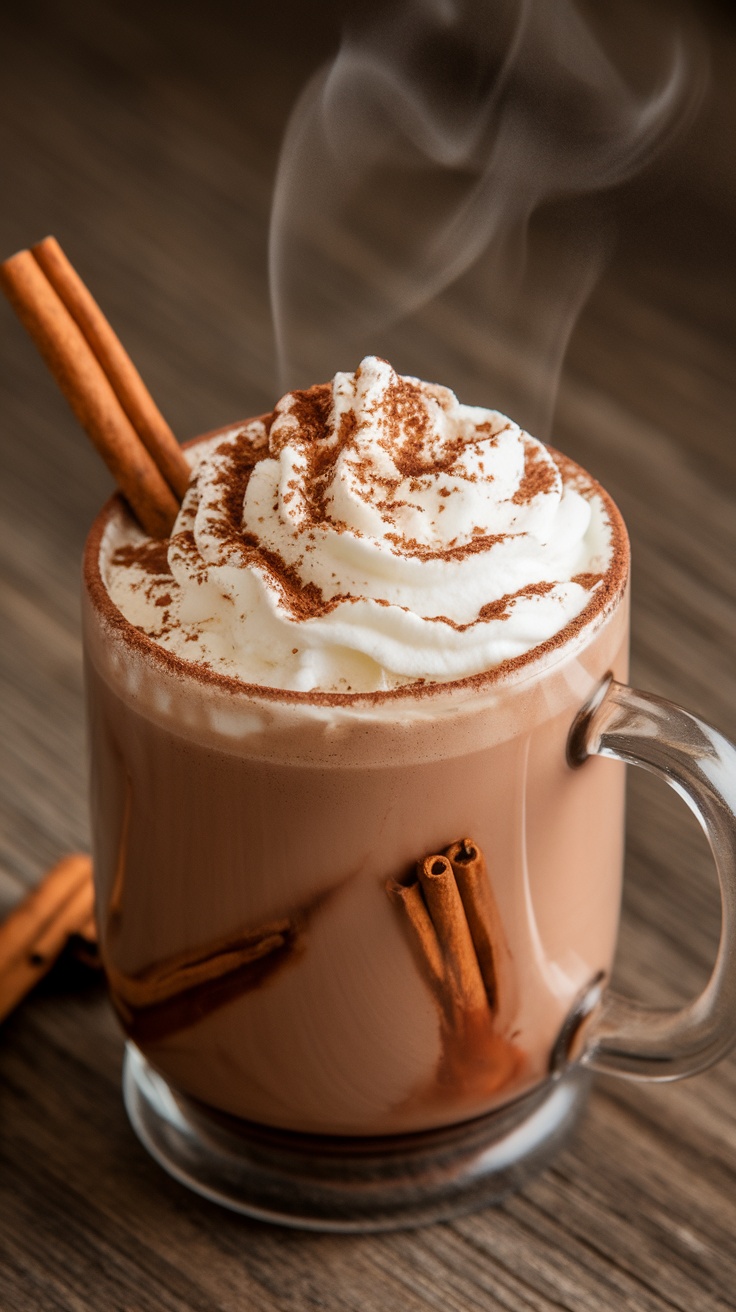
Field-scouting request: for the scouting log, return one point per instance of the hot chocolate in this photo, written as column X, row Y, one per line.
column 347, row 882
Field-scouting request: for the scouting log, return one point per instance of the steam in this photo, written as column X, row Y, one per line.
column 423, row 150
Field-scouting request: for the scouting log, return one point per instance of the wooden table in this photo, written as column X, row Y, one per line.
column 147, row 142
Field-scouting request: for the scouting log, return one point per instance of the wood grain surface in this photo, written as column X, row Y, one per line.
column 146, row 137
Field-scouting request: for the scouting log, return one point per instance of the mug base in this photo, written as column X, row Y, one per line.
column 321, row 1182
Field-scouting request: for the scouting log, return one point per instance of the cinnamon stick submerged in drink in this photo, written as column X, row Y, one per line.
column 164, row 997
column 462, row 973
column 471, row 878
column 450, row 914
column 174, row 994
column 187, row 970
column 422, row 933
column 455, row 933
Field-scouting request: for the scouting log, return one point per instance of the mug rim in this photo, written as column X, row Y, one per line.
column 605, row 599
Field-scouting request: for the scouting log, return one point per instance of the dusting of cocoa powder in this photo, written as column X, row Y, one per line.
column 539, row 476
column 498, row 610
column 150, row 556
column 587, row 581
column 311, row 410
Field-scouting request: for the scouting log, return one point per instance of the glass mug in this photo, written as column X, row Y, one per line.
column 360, row 943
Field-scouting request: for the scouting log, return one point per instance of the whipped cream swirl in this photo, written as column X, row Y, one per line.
column 371, row 532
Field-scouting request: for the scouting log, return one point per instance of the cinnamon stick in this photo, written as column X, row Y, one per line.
column 471, row 877
column 422, row 933
column 448, row 917
column 178, row 974
column 35, row 933
column 117, row 365
column 88, row 391
column 477, row 1059
column 172, row 994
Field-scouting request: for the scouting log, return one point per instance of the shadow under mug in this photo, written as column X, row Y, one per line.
column 315, row 1035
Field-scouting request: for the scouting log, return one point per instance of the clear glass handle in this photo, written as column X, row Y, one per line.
column 615, row 1034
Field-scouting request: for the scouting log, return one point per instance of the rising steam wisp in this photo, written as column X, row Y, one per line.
column 426, row 146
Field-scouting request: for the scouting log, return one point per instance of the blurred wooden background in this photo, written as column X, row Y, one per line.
column 146, row 138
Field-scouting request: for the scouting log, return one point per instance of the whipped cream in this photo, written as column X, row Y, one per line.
column 372, row 532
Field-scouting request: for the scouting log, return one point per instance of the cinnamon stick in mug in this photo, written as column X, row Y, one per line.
column 89, row 392
column 117, row 365
column 471, row 877
column 423, row 935
column 166, row 979
column 446, row 908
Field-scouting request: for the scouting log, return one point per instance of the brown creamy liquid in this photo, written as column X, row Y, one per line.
column 243, row 845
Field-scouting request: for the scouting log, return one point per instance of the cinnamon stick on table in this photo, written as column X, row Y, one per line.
column 36, row 932
column 99, row 381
